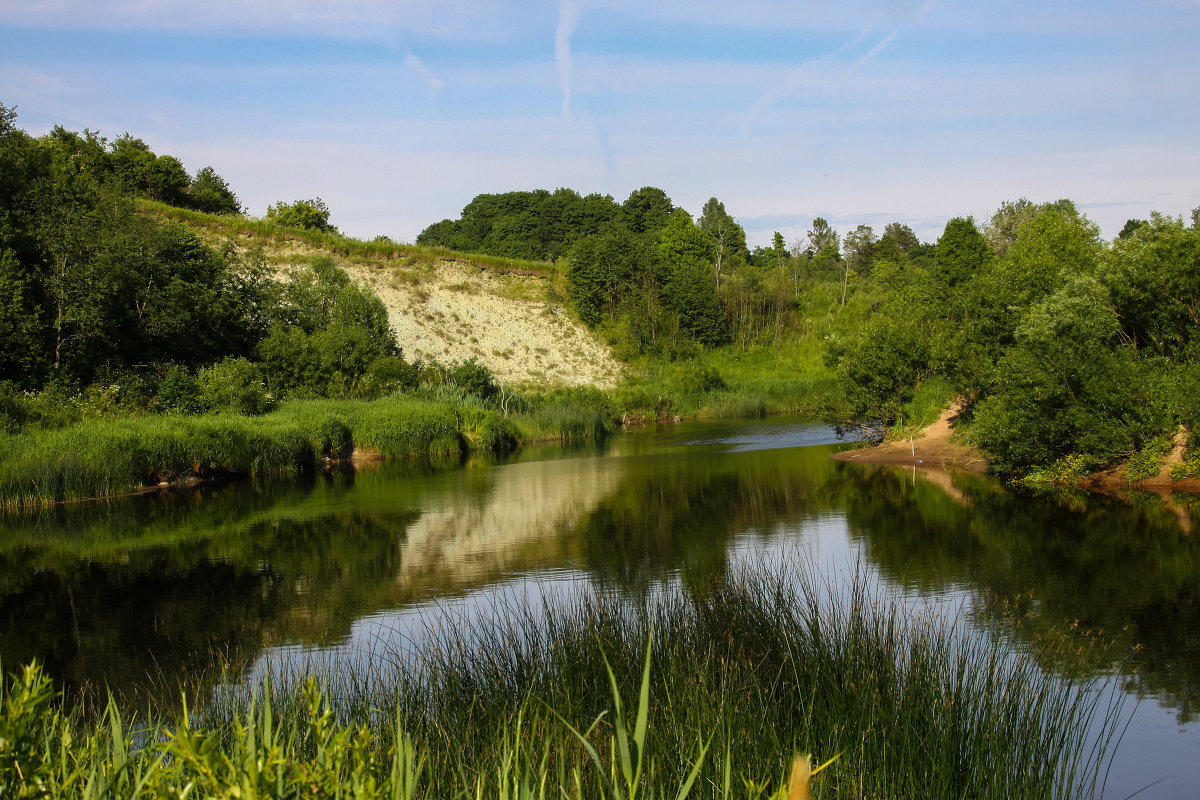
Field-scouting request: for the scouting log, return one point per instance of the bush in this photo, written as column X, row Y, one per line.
column 473, row 378
column 179, row 392
column 234, row 385
column 388, row 374
column 310, row 215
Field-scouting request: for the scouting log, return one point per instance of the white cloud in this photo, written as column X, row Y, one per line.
column 416, row 65
column 568, row 17
column 465, row 19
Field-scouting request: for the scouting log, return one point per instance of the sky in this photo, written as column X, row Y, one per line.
column 398, row 112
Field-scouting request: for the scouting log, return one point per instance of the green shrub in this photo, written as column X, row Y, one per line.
column 1147, row 462
column 233, row 385
column 474, row 378
column 180, row 392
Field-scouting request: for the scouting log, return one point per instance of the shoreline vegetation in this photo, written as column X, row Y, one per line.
column 586, row 697
column 135, row 291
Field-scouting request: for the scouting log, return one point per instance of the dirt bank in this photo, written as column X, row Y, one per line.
column 1116, row 481
column 930, row 447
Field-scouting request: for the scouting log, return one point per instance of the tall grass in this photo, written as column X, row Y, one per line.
column 570, row 700
column 111, row 457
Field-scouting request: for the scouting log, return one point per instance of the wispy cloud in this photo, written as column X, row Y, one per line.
column 418, row 66
column 568, row 17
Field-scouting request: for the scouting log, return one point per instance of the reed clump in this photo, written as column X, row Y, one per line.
column 104, row 458
column 707, row 693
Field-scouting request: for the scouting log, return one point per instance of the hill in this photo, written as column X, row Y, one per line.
column 511, row 316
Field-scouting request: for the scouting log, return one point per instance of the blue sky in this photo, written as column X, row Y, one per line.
column 398, row 112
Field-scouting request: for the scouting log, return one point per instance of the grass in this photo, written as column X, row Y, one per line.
column 372, row 253
column 112, row 457
column 731, row 382
column 708, row 694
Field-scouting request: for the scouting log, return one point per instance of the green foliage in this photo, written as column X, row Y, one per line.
column 473, row 378
column 233, row 385
column 1147, row 462
column 309, row 215
column 179, row 392
column 961, row 251
column 690, row 288
column 1154, row 278
column 1067, row 352
column 602, row 268
column 210, row 193
column 647, row 210
column 537, row 225
column 327, row 334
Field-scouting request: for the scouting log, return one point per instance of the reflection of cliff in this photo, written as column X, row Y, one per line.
column 465, row 540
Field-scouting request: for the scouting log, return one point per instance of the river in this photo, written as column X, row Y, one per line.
column 139, row 593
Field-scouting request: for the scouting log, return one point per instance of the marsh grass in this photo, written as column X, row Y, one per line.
column 113, row 457
column 702, row 694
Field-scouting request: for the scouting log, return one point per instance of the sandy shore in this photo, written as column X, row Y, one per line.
column 931, row 447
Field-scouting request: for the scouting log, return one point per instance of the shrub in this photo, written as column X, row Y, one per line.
column 180, row 392
column 473, row 378
column 233, row 385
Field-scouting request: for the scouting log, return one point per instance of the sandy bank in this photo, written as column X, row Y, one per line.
column 930, row 447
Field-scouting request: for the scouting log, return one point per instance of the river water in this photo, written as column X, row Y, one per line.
column 144, row 591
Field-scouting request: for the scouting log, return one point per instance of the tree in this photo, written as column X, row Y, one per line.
column 821, row 237
column 961, row 251
column 1154, row 278
column 601, row 271
column 898, row 242
column 859, row 249
column 132, row 161
column 727, row 238
column 647, row 210
column 168, row 181
column 210, row 193
column 1004, row 226
column 310, row 215
column 684, row 250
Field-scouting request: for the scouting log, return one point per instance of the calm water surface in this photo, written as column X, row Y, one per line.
column 358, row 566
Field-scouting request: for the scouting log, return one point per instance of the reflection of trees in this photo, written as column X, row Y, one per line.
column 1076, row 574
column 152, row 588
column 679, row 512
column 153, row 584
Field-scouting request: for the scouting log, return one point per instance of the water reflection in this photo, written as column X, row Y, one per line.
column 113, row 592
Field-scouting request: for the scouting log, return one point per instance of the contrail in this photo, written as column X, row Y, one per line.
column 568, row 15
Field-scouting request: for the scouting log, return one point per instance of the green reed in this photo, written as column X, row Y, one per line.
column 104, row 458
column 706, row 693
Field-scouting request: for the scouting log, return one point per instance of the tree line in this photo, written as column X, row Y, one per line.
column 1063, row 348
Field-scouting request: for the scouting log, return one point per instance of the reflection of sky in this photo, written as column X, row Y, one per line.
column 819, row 548
column 767, row 437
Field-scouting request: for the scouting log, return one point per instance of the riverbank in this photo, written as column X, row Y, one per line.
column 931, row 447
column 107, row 458
column 936, row 447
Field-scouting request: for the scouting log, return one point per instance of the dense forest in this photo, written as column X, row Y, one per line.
column 1066, row 351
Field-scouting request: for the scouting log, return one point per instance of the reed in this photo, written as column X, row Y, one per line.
column 702, row 694
column 104, row 458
